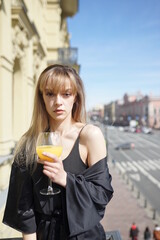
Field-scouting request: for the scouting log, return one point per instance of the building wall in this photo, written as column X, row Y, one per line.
column 31, row 32
column 146, row 110
column 154, row 112
column 109, row 113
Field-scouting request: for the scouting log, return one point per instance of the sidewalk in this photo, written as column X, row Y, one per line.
column 124, row 209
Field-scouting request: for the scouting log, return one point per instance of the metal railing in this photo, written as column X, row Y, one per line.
column 111, row 235
column 4, row 160
column 68, row 55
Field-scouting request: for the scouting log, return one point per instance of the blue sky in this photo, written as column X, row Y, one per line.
column 118, row 45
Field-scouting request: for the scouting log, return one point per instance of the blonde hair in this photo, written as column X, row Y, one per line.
column 55, row 75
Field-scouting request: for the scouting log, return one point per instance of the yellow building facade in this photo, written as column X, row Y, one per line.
column 33, row 35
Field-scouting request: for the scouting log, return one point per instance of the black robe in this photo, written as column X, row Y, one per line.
column 73, row 214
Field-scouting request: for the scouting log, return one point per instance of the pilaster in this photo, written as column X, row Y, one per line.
column 6, row 70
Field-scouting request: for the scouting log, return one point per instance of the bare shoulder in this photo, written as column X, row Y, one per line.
column 93, row 139
column 91, row 132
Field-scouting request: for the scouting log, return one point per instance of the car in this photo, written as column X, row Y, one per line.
column 132, row 129
column 125, row 146
column 147, row 130
column 121, row 129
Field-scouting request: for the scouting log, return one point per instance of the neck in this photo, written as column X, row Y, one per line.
column 62, row 127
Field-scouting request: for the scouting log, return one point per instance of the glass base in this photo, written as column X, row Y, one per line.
column 50, row 191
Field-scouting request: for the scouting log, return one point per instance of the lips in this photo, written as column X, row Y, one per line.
column 58, row 111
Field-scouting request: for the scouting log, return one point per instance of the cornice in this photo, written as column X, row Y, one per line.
column 20, row 17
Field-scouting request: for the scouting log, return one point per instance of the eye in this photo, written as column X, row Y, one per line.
column 49, row 93
column 67, row 94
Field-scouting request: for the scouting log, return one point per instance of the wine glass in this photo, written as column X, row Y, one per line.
column 49, row 142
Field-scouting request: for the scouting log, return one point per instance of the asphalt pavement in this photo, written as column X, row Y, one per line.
column 124, row 209
column 140, row 165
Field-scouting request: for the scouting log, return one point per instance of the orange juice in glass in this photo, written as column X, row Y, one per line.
column 56, row 150
column 49, row 142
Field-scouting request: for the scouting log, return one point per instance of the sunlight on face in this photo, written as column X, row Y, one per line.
column 59, row 101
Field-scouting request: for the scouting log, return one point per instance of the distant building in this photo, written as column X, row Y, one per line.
column 110, row 113
column 144, row 109
column 154, row 112
column 97, row 113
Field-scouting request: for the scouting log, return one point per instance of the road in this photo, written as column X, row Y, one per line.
column 141, row 165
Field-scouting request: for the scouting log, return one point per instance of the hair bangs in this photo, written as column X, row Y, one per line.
column 58, row 82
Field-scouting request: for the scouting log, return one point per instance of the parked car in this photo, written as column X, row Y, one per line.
column 125, row 146
column 121, row 129
column 147, row 130
column 132, row 129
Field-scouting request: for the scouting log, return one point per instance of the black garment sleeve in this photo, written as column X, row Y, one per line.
column 19, row 210
column 87, row 196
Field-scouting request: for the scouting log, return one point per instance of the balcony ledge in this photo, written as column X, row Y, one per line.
column 69, row 7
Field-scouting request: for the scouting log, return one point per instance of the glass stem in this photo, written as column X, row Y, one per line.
column 50, row 189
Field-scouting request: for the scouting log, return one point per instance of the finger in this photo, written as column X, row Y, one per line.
column 52, row 164
column 49, row 174
column 51, row 155
column 50, row 169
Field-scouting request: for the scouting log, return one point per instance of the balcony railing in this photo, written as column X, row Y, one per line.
column 113, row 235
column 68, row 55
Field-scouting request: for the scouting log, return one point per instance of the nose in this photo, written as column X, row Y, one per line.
column 58, row 99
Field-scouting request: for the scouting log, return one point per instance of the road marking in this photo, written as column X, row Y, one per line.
column 151, row 167
column 151, row 178
column 124, row 168
column 135, row 177
column 142, row 164
column 132, row 166
column 120, row 167
column 150, row 143
column 129, row 158
column 153, row 162
column 141, row 154
column 154, row 152
column 124, row 164
column 157, row 161
column 146, row 165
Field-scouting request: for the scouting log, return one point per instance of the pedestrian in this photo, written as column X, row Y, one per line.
column 134, row 231
column 114, row 162
column 156, row 232
column 147, row 234
column 81, row 172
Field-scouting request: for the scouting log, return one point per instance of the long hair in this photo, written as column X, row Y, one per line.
column 55, row 75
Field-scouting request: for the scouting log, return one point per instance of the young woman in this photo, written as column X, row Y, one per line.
column 81, row 172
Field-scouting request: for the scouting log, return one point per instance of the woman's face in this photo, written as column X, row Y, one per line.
column 59, row 105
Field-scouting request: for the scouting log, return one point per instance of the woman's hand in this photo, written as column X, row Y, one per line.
column 54, row 170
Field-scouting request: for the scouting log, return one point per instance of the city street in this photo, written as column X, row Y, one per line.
column 141, row 165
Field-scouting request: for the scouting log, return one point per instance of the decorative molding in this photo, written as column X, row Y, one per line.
column 20, row 17
column 19, row 41
column 38, row 54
